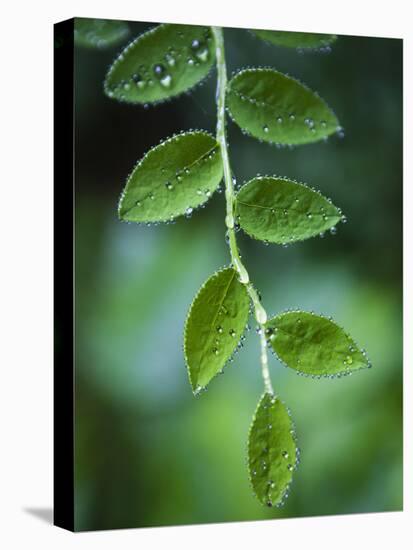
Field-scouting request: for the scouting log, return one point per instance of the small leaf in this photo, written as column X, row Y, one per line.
column 272, row 452
column 300, row 40
column 276, row 108
column 161, row 63
column 172, row 179
column 282, row 211
column 99, row 33
column 214, row 326
column 314, row 345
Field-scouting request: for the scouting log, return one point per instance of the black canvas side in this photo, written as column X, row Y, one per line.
column 63, row 276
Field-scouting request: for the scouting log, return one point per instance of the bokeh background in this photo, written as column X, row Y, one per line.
column 148, row 453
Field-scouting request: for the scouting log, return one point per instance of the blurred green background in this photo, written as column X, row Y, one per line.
column 147, row 452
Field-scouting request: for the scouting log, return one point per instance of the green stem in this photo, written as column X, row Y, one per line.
column 260, row 313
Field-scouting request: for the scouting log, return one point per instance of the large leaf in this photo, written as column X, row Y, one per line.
column 161, row 63
column 172, row 179
column 99, row 33
column 214, row 326
column 281, row 211
column 272, row 452
column 276, row 108
column 300, row 40
column 314, row 345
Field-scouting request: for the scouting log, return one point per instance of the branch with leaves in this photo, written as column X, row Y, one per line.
column 180, row 174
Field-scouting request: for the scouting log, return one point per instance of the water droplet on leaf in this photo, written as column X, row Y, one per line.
column 166, row 81
column 158, row 69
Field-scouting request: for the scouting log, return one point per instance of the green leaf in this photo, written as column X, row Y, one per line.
column 161, row 63
column 314, row 345
column 99, row 33
column 172, row 179
column 214, row 326
column 276, row 108
column 278, row 210
column 272, row 452
column 300, row 40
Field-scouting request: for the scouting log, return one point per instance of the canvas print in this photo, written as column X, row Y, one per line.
column 233, row 200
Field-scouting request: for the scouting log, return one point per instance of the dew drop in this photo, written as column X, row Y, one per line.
column 219, row 330
column 340, row 132
column 292, row 116
column 166, row 81
column 170, row 60
column 188, row 212
column 266, row 129
column 279, row 120
column 333, row 230
column 232, row 333
column 169, row 185
column 202, row 55
column 290, row 467
column 215, row 351
column 158, row 69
